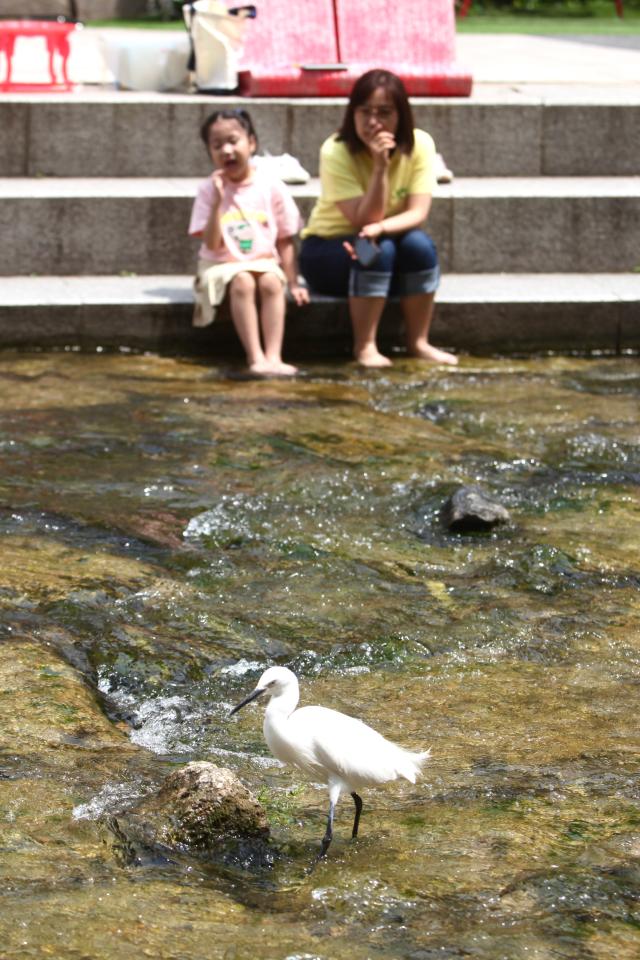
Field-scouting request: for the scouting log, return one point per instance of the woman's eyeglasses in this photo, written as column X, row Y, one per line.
column 379, row 113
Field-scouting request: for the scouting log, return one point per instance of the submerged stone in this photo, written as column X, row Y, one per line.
column 49, row 714
column 470, row 509
column 39, row 566
column 198, row 807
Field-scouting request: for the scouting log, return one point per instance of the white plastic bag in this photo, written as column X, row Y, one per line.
column 284, row 167
column 217, row 38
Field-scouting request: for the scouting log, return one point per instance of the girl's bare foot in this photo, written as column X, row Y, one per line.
column 286, row 369
column 272, row 368
column 261, row 368
column 424, row 351
column 370, row 356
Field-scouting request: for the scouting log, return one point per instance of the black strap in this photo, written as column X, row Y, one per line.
column 191, row 62
column 249, row 12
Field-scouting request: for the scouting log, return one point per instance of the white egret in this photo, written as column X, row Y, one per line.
column 328, row 746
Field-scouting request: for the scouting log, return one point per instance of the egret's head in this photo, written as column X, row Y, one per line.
column 274, row 681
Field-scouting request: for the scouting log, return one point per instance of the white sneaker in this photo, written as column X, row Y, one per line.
column 285, row 167
column 443, row 174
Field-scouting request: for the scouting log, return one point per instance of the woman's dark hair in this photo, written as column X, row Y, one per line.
column 242, row 116
column 363, row 88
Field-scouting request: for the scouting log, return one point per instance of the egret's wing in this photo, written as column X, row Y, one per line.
column 353, row 751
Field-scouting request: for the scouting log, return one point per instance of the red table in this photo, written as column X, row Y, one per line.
column 323, row 51
column 56, row 34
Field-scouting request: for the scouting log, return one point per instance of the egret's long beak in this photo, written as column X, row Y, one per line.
column 243, row 703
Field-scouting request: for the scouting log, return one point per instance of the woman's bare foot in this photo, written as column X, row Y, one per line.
column 370, row 356
column 424, row 351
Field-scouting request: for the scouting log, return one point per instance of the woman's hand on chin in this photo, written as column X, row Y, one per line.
column 380, row 147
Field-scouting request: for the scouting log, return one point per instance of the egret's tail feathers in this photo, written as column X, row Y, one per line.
column 412, row 767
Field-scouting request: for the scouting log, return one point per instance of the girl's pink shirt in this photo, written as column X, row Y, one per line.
column 253, row 216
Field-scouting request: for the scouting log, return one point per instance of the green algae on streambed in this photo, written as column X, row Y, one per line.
column 166, row 532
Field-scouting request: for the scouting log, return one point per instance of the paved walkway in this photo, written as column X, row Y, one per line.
column 570, row 61
column 604, row 64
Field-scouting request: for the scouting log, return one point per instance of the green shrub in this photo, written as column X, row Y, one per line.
column 561, row 8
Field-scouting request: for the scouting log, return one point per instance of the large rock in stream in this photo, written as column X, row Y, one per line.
column 200, row 808
column 470, row 509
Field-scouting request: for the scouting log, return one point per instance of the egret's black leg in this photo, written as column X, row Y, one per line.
column 356, row 819
column 328, row 837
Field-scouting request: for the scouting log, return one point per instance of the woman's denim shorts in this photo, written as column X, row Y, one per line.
column 407, row 265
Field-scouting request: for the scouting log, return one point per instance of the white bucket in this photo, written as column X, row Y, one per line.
column 147, row 60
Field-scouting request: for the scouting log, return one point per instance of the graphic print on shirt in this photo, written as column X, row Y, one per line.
column 240, row 229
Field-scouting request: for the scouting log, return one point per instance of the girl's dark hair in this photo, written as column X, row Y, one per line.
column 363, row 88
column 242, row 116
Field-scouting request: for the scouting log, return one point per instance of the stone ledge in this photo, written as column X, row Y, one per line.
column 462, row 188
column 557, row 131
column 109, row 225
column 478, row 313
column 479, row 288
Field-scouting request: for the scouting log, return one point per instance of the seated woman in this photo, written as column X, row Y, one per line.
column 377, row 177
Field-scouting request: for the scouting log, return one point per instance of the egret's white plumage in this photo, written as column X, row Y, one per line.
column 327, row 745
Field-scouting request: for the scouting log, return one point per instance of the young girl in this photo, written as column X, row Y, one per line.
column 247, row 222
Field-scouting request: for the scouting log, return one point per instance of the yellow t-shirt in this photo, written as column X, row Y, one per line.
column 345, row 175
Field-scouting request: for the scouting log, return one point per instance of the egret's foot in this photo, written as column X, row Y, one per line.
column 324, row 846
column 320, row 856
column 370, row 356
column 425, row 351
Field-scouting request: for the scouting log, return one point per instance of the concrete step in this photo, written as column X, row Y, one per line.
column 517, row 313
column 533, row 225
column 502, row 132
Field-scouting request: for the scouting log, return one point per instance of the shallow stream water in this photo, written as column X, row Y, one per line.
column 168, row 530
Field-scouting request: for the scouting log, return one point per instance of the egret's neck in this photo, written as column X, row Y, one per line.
column 283, row 705
column 276, row 726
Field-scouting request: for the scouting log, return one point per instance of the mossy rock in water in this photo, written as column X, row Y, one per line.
column 198, row 808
